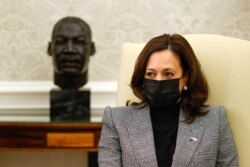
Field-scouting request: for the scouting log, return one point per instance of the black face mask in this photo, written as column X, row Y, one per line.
column 164, row 93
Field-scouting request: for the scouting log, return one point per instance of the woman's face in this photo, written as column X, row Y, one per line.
column 165, row 65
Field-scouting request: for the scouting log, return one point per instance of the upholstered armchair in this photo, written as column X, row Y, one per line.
column 226, row 64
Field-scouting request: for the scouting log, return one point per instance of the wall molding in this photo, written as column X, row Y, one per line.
column 29, row 100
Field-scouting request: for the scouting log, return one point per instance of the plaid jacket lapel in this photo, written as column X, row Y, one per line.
column 141, row 136
column 188, row 138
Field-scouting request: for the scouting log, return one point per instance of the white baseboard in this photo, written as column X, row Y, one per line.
column 29, row 101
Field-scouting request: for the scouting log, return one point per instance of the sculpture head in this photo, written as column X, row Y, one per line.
column 70, row 47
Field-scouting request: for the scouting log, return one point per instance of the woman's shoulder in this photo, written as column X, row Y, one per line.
column 119, row 113
column 216, row 110
column 214, row 114
column 120, row 110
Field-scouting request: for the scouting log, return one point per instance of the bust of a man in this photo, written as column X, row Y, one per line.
column 70, row 47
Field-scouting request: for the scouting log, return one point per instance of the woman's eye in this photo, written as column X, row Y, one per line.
column 149, row 74
column 168, row 75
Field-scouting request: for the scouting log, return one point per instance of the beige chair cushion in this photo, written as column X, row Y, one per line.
column 226, row 64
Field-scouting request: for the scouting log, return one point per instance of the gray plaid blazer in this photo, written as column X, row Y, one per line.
column 127, row 140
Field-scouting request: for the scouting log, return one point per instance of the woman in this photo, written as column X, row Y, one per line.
column 172, row 125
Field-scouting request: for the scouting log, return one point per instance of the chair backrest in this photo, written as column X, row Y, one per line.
column 226, row 64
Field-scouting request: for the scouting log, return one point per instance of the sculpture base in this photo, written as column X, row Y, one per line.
column 69, row 105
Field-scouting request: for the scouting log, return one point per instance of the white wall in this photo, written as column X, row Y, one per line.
column 25, row 28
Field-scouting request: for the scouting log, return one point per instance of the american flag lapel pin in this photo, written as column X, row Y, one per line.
column 193, row 139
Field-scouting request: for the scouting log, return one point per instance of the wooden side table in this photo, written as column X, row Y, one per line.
column 81, row 136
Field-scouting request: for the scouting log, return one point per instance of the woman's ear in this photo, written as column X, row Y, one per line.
column 184, row 80
column 186, row 76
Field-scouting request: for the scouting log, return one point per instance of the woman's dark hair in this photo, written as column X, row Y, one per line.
column 193, row 99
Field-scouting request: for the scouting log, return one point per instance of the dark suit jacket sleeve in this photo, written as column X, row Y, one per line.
column 227, row 153
column 109, row 153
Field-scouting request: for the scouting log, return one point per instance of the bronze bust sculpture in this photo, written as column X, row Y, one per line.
column 70, row 47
